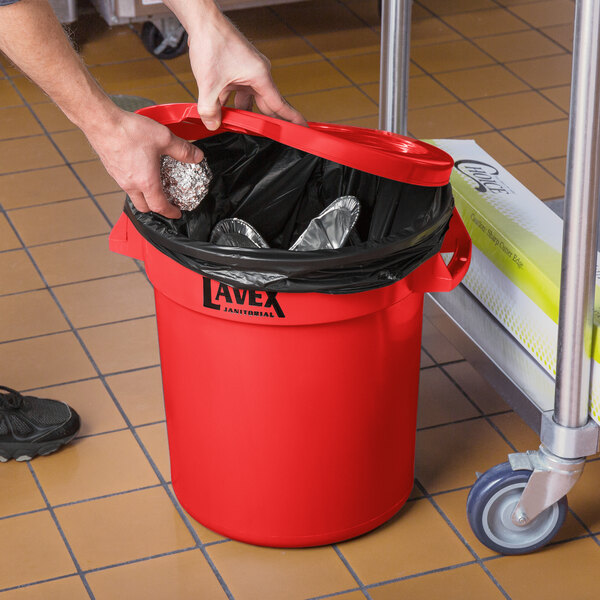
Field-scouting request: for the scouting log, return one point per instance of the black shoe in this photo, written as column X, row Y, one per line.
column 31, row 426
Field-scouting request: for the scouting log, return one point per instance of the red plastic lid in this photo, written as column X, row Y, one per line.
column 378, row 152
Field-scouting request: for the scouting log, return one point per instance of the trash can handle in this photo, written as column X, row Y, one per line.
column 437, row 276
column 125, row 239
column 381, row 153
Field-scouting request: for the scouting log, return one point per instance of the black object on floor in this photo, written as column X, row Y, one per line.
column 31, row 426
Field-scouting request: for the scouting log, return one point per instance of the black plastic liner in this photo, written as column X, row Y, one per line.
column 278, row 190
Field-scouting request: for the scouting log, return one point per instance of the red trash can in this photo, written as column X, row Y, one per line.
column 291, row 416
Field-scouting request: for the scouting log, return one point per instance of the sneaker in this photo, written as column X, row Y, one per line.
column 31, row 426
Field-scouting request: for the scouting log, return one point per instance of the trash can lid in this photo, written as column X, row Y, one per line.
column 381, row 153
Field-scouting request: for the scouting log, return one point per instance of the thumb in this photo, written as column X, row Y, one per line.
column 210, row 113
column 184, row 151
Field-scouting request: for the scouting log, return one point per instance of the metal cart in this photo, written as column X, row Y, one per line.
column 518, row 506
column 162, row 34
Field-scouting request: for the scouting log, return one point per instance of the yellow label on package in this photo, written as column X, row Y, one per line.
column 517, row 244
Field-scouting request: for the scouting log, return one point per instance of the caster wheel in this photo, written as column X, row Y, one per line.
column 490, row 505
column 153, row 39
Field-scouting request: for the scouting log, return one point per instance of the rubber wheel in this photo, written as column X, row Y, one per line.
column 490, row 504
column 152, row 38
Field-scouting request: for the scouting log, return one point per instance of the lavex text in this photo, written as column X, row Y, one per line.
column 248, row 301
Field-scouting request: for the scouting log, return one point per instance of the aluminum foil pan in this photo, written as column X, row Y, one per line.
column 330, row 229
column 236, row 233
column 185, row 184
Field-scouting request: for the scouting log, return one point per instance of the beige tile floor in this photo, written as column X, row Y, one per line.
column 99, row 519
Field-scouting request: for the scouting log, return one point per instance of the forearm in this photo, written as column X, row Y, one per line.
column 32, row 37
column 128, row 145
column 196, row 14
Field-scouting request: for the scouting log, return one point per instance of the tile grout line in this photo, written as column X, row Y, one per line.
column 461, row 538
column 118, row 430
column 105, row 496
column 21, row 586
column 85, row 500
column 58, row 149
column 110, row 431
column 422, row 573
column 459, row 101
column 464, row 102
column 487, row 417
column 436, row 365
column 348, row 566
column 83, row 328
column 23, row 514
column 336, row 594
column 60, row 285
column 438, row 508
column 575, row 538
column 65, row 163
column 61, row 532
column 351, row 84
column 93, row 499
column 157, row 472
column 583, row 524
column 373, row 28
column 501, row 433
column 533, row 27
column 93, row 378
column 111, row 566
column 166, row 66
column 466, row 419
column 139, row 560
column 495, row 62
column 472, row 402
column 52, row 202
column 328, row 60
column 55, row 242
column 441, row 18
column 484, row 415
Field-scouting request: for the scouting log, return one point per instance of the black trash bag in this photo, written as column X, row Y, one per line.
column 278, row 190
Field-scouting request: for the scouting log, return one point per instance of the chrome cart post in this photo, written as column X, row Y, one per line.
column 567, row 435
column 394, row 66
column 519, row 506
column 578, row 277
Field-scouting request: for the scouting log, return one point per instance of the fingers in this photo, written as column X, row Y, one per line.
column 138, row 201
column 270, row 102
column 209, row 111
column 153, row 199
column 244, row 99
column 183, row 151
column 224, row 96
column 158, row 203
column 283, row 111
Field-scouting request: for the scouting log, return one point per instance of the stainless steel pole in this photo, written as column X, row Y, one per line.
column 578, row 270
column 395, row 62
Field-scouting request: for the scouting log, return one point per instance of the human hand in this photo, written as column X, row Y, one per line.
column 130, row 147
column 225, row 62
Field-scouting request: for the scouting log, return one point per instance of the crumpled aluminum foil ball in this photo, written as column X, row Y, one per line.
column 185, row 184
